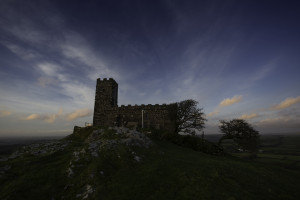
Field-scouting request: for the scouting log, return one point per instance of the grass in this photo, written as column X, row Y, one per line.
column 179, row 173
column 283, row 151
column 166, row 171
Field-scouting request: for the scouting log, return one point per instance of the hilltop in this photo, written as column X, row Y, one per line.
column 118, row 163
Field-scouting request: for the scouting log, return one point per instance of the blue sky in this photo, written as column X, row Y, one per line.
column 239, row 59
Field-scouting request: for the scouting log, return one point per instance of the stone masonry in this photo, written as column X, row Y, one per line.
column 108, row 113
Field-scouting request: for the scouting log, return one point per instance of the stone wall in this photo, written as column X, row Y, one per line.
column 107, row 113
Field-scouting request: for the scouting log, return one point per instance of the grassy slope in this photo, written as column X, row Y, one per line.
column 166, row 171
column 282, row 151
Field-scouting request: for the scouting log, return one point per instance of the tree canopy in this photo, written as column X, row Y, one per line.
column 242, row 133
column 188, row 116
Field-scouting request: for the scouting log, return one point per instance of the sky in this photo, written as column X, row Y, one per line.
column 238, row 59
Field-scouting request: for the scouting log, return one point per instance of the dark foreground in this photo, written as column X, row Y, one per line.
column 105, row 165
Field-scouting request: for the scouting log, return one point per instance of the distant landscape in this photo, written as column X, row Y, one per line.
column 280, row 141
column 10, row 144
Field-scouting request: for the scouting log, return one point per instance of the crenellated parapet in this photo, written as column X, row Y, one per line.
column 144, row 107
column 106, row 79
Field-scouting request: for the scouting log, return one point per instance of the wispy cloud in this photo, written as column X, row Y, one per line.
column 49, row 118
column 261, row 73
column 76, row 47
column 79, row 113
column 230, row 101
column 286, row 103
column 48, row 69
column 275, row 120
column 281, row 121
column 215, row 112
column 250, row 116
column 52, row 74
column 45, row 81
column 4, row 113
column 33, row 117
column 23, row 53
column 224, row 103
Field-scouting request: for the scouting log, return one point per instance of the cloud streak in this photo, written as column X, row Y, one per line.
column 224, row 103
column 288, row 102
column 250, row 116
column 79, row 114
column 230, row 101
column 49, row 118
column 274, row 120
column 4, row 113
column 215, row 112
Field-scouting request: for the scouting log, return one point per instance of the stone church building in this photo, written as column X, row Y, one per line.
column 108, row 113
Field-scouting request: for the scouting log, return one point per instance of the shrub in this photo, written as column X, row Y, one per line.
column 189, row 141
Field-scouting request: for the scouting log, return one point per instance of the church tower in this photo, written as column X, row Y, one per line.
column 106, row 98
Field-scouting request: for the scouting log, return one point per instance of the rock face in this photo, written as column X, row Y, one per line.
column 123, row 135
column 107, row 112
column 103, row 140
